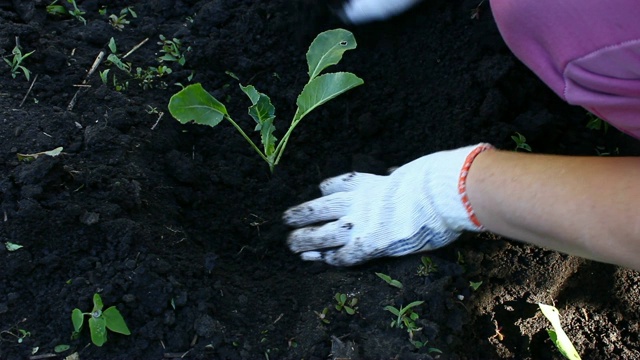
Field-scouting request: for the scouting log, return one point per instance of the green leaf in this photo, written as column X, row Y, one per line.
column 193, row 103
column 411, row 305
column 263, row 112
column 115, row 322
column 389, row 280
column 12, row 247
column 327, row 49
column 61, row 348
column 349, row 310
column 98, row 329
column 324, row 88
column 559, row 337
column 392, row 310
column 97, row 302
column 77, row 317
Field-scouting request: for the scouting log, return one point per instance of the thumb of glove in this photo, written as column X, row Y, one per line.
column 420, row 206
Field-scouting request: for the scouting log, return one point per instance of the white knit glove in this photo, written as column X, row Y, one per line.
column 361, row 11
column 420, row 206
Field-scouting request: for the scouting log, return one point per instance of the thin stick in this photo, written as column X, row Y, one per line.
column 135, row 48
column 28, row 91
column 93, row 68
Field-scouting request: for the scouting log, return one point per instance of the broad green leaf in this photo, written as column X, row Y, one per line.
column 327, row 49
column 98, row 329
column 77, row 318
column 559, row 337
column 324, row 88
column 263, row 112
column 193, row 103
column 97, row 302
column 115, row 322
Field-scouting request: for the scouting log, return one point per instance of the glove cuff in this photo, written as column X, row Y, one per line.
column 462, row 184
column 449, row 183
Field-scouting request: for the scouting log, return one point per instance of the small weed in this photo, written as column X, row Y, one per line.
column 346, row 303
column 595, row 123
column 171, row 50
column 99, row 321
column 16, row 63
column 405, row 317
column 521, row 142
column 15, row 333
column 323, row 316
column 428, row 267
column 114, row 59
column 475, row 285
column 59, row 10
column 389, row 280
column 119, row 21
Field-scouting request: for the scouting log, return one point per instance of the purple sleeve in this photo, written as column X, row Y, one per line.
column 587, row 51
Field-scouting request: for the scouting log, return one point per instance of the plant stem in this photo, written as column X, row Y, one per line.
column 283, row 143
column 262, row 155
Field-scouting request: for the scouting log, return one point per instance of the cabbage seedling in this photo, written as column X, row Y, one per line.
column 195, row 104
column 100, row 321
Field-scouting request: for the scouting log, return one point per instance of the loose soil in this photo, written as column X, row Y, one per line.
column 179, row 226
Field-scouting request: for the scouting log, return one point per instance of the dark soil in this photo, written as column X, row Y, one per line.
column 179, row 226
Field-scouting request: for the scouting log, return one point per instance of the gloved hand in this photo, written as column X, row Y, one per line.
column 420, row 206
column 361, row 11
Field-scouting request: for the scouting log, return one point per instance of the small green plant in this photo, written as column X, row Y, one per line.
column 171, row 50
column 100, row 321
column 521, row 142
column 428, row 267
column 475, row 285
column 18, row 334
column 557, row 335
column 114, row 59
column 346, row 303
column 324, row 315
column 118, row 22
column 195, row 104
column 595, row 123
column 16, row 63
column 57, row 9
column 405, row 317
column 389, row 280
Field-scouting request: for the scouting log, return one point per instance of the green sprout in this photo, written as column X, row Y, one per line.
column 405, row 317
column 521, row 142
column 118, row 22
column 195, row 104
column 389, row 280
column 596, row 123
column 346, row 303
column 428, row 266
column 557, row 335
column 171, row 50
column 474, row 285
column 100, row 321
column 59, row 10
column 323, row 316
column 16, row 62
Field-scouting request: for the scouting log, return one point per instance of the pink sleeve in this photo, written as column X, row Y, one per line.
column 587, row 51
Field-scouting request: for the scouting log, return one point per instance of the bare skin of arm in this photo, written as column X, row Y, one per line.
column 584, row 206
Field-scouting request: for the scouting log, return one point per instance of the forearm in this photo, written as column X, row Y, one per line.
column 584, row 206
